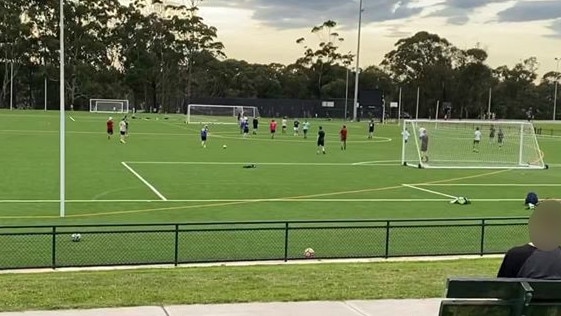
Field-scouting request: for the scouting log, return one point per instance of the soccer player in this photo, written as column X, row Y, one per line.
column 245, row 126
column 109, row 127
column 204, row 135
column 500, row 138
column 305, row 128
column 405, row 135
column 371, row 129
column 492, row 134
column 123, row 130
column 424, row 136
column 343, row 133
column 321, row 140
column 284, row 125
column 255, row 125
column 296, row 127
column 273, row 128
column 476, row 139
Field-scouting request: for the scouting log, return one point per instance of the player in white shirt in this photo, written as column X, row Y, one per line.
column 284, row 125
column 123, row 130
column 476, row 139
column 406, row 135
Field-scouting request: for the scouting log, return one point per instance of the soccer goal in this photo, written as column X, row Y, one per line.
column 452, row 144
column 109, row 106
column 218, row 114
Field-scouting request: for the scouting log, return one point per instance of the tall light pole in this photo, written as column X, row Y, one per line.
column 355, row 103
column 557, row 59
column 62, row 116
column 346, row 92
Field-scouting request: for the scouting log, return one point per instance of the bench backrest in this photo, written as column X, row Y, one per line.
column 498, row 297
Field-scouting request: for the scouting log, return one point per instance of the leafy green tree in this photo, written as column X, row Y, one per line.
column 321, row 61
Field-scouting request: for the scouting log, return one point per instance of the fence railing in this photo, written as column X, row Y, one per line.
column 24, row 247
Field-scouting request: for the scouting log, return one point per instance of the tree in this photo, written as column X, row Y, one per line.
column 321, row 61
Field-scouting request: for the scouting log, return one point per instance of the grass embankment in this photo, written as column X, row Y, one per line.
column 206, row 285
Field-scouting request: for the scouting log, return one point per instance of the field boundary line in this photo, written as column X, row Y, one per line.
column 254, row 200
column 226, row 163
column 491, row 184
column 429, row 191
column 151, row 187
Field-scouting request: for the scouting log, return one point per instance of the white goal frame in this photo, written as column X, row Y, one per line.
column 523, row 126
column 121, row 106
column 232, row 110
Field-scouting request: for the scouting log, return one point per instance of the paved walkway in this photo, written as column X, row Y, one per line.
column 425, row 307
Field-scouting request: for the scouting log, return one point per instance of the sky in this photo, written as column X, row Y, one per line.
column 265, row 31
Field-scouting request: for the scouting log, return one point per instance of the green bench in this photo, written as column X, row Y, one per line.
column 501, row 297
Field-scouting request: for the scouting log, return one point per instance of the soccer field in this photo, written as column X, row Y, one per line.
column 162, row 174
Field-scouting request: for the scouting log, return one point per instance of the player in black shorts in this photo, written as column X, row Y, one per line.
column 321, row 140
column 371, row 129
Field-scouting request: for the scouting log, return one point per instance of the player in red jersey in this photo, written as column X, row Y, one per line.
column 343, row 134
column 273, row 128
column 109, row 127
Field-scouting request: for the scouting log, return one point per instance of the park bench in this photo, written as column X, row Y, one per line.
column 501, row 297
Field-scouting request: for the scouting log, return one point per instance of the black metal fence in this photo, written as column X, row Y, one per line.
column 24, row 247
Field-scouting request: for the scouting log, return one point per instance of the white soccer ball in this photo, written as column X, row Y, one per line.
column 76, row 237
column 309, row 253
column 224, row 146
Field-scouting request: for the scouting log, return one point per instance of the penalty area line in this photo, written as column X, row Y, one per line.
column 151, row 187
column 429, row 191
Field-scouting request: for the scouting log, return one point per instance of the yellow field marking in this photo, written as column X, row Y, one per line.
column 248, row 202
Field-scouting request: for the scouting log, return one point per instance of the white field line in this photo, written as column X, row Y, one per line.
column 368, row 163
column 429, row 191
column 73, row 120
column 151, row 187
column 255, row 200
column 490, row 184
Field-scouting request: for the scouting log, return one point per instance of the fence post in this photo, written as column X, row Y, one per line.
column 482, row 245
column 387, row 251
column 286, row 242
column 53, row 248
column 176, row 250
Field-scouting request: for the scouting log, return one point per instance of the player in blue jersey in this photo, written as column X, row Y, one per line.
column 204, row 135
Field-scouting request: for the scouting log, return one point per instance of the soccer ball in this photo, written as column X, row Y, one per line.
column 224, row 146
column 76, row 237
column 309, row 253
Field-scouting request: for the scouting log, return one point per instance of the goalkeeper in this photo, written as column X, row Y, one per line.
column 424, row 144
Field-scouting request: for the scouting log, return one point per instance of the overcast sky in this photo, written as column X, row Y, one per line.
column 265, row 31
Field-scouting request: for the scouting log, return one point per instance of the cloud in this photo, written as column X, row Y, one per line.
column 556, row 27
column 458, row 12
column 531, row 11
column 288, row 14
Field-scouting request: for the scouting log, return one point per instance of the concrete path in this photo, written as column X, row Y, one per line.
column 425, row 307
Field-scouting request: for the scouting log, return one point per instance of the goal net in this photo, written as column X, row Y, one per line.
column 109, row 106
column 218, row 114
column 454, row 144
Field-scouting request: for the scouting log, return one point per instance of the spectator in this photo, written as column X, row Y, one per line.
column 541, row 258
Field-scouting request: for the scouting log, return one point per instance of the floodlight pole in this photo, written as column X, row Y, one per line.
column 11, row 85
column 62, row 116
column 355, row 103
column 346, row 93
column 399, row 109
column 556, row 84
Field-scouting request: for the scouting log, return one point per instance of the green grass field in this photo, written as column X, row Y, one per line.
column 162, row 175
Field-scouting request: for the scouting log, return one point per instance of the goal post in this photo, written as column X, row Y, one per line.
column 471, row 145
column 109, row 106
column 218, row 114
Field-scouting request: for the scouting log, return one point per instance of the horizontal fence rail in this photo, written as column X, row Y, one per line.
column 23, row 247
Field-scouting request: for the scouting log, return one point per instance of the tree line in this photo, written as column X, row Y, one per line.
column 155, row 55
